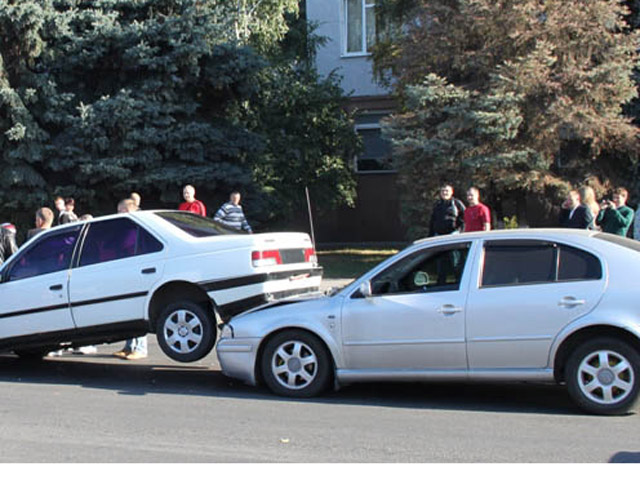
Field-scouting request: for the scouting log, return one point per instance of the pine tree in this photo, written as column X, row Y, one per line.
column 102, row 97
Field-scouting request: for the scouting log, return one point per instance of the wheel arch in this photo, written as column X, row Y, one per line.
column 174, row 291
column 583, row 335
column 257, row 371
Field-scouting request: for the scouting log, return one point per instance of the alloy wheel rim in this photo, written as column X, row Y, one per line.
column 183, row 331
column 605, row 377
column 294, row 365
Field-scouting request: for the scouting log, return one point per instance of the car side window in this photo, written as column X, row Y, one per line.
column 116, row 239
column 575, row 264
column 534, row 262
column 428, row 270
column 52, row 253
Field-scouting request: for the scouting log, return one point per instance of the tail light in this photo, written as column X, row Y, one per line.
column 266, row 258
column 310, row 255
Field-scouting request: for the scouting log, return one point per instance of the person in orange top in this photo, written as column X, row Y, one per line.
column 191, row 204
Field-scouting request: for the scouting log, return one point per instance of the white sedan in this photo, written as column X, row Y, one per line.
column 120, row 276
column 529, row 305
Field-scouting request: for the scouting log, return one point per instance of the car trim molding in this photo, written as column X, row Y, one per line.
column 364, row 343
column 109, row 299
column 258, row 278
column 35, row 310
column 511, row 339
column 73, row 305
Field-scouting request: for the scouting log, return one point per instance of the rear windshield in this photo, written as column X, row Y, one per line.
column 618, row 240
column 197, row 225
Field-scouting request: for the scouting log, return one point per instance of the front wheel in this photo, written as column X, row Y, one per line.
column 603, row 376
column 295, row 363
column 186, row 331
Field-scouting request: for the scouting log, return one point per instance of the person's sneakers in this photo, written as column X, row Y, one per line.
column 86, row 350
column 121, row 353
column 136, row 356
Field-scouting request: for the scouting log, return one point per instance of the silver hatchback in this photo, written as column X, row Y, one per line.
column 514, row 305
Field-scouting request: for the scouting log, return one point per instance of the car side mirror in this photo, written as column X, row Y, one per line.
column 365, row 289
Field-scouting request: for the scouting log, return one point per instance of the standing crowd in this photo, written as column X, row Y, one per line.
column 579, row 210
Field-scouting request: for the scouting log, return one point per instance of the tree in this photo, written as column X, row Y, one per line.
column 102, row 97
column 516, row 95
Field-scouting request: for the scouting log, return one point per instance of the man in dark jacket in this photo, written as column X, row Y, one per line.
column 447, row 215
column 8, row 244
column 574, row 214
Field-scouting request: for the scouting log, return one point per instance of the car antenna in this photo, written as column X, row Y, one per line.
column 313, row 237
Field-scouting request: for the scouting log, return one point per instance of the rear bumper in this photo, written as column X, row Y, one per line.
column 245, row 293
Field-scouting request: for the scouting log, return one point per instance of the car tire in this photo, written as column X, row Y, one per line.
column 295, row 363
column 603, row 376
column 186, row 331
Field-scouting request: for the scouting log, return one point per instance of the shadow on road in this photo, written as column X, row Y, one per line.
column 102, row 372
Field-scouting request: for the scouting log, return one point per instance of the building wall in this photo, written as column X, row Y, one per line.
column 376, row 216
column 355, row 69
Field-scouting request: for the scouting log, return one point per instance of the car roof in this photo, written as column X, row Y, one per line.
column 518, row 233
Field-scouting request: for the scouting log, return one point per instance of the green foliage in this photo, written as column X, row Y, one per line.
column 102, row 97
column 510, row 95
column 511, row 223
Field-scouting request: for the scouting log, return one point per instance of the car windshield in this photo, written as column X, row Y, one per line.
column 197, row 225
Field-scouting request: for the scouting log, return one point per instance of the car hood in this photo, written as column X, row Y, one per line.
column 304, row 312
column 281, row 303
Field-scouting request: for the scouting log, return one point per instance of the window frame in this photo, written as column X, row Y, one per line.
column 8, row 267
column 364, row 50
column 434, row 250
column 557, row 258
column 87, row 230
column 356, row 158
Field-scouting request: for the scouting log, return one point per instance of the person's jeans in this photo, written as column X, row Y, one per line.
column 138, row 344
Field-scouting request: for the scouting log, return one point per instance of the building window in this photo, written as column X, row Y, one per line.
column 360, row 26
column 376, row 151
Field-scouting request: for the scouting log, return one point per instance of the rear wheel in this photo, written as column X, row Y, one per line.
column 186, row 331
column 295, row 363
column 603, row 376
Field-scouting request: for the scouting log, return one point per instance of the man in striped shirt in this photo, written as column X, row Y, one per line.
column 231, row 215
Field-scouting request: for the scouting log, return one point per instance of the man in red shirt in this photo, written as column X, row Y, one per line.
column 191, row 204
column 477, row 217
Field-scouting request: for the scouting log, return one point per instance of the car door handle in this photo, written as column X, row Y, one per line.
column 56, row 287
column 570, row 302
column 147, row 271
column 449, row 309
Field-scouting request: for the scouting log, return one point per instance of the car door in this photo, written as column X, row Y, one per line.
column 118, row 264
column 414, row 318
column 526, row 292
column 34, row 289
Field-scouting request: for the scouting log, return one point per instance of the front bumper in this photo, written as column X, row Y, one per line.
column 237, row 358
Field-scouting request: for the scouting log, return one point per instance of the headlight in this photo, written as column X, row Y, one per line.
column 226, row 331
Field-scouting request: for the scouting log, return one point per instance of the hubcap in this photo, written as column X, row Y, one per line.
column 183, row 331
column 294, row 365
column 605, row 377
